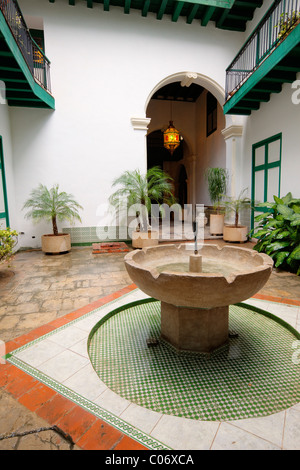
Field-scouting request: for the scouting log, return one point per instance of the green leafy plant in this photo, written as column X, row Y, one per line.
column 278, row 232
column 51, row 205
column 236, row 205
column 217, row 183
column 8, row 239
column 142, row 190
column 287, row 22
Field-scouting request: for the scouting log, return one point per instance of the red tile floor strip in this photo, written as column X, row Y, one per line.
column 282, row 300
column 87, row 431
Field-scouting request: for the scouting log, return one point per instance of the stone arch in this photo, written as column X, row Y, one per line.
column 203, row 80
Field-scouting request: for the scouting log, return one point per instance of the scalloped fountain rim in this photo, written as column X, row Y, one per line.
column 265, row 261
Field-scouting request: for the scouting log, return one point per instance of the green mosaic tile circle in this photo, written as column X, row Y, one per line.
column 255, row 377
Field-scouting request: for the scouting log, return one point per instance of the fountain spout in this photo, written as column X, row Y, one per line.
column 195, row 230
column 195, row 260
column 195, row 263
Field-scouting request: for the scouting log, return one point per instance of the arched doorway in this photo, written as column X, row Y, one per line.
column 198, row 115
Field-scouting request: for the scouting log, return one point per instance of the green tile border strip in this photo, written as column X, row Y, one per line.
column 75, row 397
column 89, row 406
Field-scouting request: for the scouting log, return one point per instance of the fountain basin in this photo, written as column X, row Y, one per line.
column 162, row 272
column 195, row 305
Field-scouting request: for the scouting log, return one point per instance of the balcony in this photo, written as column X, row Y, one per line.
column 24, row 68
column 269, row 58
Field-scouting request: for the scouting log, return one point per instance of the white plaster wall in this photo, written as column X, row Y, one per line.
column 104, row 66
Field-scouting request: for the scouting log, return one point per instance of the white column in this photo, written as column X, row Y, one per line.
column 233, row 138
column 141, row 126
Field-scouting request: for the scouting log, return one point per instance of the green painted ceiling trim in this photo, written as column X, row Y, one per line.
column 207, row 15
column 40, row 93
column 222, row 19
column 146, row 8
column 279, row 53
column 177, row 11
column 127, row 7
column 192, row 14
column 213, row 3
column 162, row 9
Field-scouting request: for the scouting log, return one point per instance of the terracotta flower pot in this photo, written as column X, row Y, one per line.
column 231, row 233
column 56, row 243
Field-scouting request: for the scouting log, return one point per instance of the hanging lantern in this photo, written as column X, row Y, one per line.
column 171, row 138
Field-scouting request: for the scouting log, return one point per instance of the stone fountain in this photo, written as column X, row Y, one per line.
column 196, row 288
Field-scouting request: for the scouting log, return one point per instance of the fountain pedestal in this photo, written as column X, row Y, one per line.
column 194, row 329
column 195, row 300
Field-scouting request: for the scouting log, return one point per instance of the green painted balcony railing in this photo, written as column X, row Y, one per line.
column 279, row 21
column 37, row 62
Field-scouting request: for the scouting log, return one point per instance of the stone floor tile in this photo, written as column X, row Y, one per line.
column 112, row 402
column 269, row 428
column 141, row 418
column 185, row 434
column 63, row 366
column 291, row 438
column 230, row 437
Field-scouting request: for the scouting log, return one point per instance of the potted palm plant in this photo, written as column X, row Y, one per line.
column 217, row 184
column 140, row 191
column 236, row 232
column 52, row 205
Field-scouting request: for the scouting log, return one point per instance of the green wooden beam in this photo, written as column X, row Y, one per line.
column 279, row 53
column 162, row 9
column 9, row 69
column 16, row 90
column 223, row 17
column 280, row 77
column 16, row 98
column 89, row 3
column 258, row 96
column 72, row 2
column 127, row 7
column 145, row 7
column 248, row 104
column 5, row 54
column 192, row 14
column 106, row 5
column 268, row 88
column 177, row 11
column 207, row 15
column 13, row 80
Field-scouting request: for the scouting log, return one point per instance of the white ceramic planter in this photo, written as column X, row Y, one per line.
column 56, row 243
column 216, row 224
column 235, row 234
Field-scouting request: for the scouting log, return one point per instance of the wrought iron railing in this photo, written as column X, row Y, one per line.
column 278, row 22
column 35, row 58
